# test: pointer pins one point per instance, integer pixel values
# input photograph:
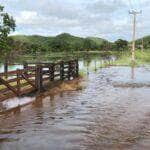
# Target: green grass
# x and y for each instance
(142, 58)
(82, 73)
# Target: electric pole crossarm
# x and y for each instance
(135, 12)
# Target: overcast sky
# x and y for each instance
(108, 19)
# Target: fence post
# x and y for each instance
(62, 70)
(52, 71)
(69, 70)
(18, 82)
(39, 78)
(25, 67)
(6, 69)
(77, 68)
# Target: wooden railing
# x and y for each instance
(34, 76)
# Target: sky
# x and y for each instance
(107, 19)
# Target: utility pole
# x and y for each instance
(134, 13)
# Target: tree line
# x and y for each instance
(64, 43)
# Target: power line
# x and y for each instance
(134, 13)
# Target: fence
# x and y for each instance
(33, 77)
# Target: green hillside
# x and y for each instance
(98, 41)
(32, 39)
(40, 41)
(62, 42)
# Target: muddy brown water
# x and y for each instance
(108, 114)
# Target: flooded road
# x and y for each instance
(112, 112)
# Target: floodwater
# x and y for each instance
(111, 112)
(11, 68)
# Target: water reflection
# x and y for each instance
(17, 110)
(61, 94)
(100, 116)
(132, 72)
(52, 102)
(88, 64)
(95, 65)
(38, 101)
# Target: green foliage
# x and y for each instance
(141, 58)
(146, 42)
(98, 41)
(100, 44)
(61, 43)
(66, 42)
(121, 45)
(88, 44)
(6, 26)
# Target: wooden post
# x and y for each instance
(39, 78)
(77, 68)
(51, 72)
(25, 67)
(6, 68)
(62, 70)
(69, 70)
(18, 82)
(73, 69)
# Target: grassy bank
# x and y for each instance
(142, 58)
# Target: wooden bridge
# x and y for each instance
(33, 77)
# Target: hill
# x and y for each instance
(62, 42)
(98, 41)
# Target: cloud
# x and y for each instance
(26, 17)
(102, 18)
(105, 6)
(32, 18)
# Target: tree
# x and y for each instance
(121, 44)
(60, 44)
(7, 25)
(105, 46)
(89, 44)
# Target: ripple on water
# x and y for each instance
(100, 116)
